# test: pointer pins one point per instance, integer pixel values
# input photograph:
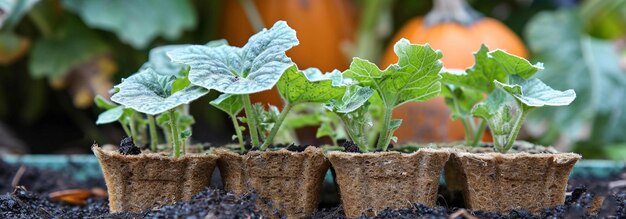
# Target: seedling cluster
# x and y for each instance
(498, 90)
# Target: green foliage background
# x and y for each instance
(582, 44)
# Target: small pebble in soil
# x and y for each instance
(127, 147)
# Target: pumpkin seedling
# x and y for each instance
(116, 113)
(255, 67)
(498, 73)
(415, 77)
(152, 93)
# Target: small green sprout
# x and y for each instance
(152, 93)
(494, 75)
(414, 78)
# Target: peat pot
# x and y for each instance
(147, 180)
(498, 182)
(291, 181)
(387, 179)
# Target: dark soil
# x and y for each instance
(351, 147)
(127, 147)
(31, 201)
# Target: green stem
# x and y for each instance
(133, 129)
(154, 138)
(478, 133)
(467, 129)
(252, 14)
(251, 117)
(385, 136)
(356, 138)
(238, 131)
(125, 127)
(175, 134)
(515, 131)
(366, 45)
(276, 126)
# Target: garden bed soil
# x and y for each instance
(147, 180)
(290, 178)
(529, 177)
(373, 181)
(213, 203)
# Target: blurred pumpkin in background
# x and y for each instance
(456, 29)
(324, 28)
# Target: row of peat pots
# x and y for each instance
(290, 181)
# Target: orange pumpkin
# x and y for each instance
(322, 26)
(458, 31)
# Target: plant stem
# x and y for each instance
(251, 118)
(125, 127)
(366, 45)
(238, 131)
(385, 136)
(467, 129)
(457, 11)
(252, 14)
(276, 126)
(478, 133)
(356, 138)
(133, 129)
(154, 138)
(175, 134)
(515, 130)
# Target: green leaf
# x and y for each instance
(13, 11)
(589, 66)
(159, 62)
(71, 45)
(480, 76)
(395, 124)
(325, 130)
(310, 86)
(111, 115)
(354, 97)
(180, 84)
(488, 108)
(151, 93)
(136, 22)
(253, 68)
(514, 65)
(103, 103)
(185, 134)
(414, 78)
(231, 104)
(534, 93)
(185, 121)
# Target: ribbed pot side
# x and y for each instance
(144, 181)
(500, 182)
(387, 179)
(290, 180)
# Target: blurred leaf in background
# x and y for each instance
(136, 22)
(590, 66)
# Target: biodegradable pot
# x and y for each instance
(147, 180)
(387, 179)
(290, 180)
(500, 182)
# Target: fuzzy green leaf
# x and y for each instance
(103, 103)
(231, 104)
(480, 76)
(534, 93)
(491, 105)
(151, 93)
(514, 65)
(310, 86)
(136, 22)
(253, 68)
(161, 63)
(353, 98)
(111, 115)
(414, 78)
